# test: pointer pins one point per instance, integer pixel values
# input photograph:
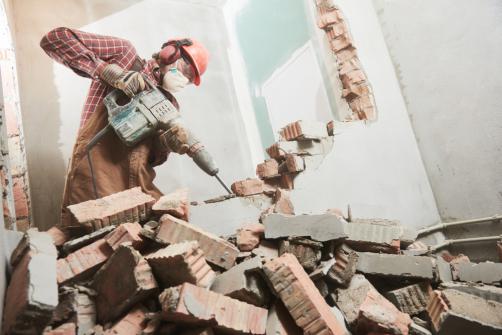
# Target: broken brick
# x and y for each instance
(300, 296)
(132, 323)
(179, 263)
(244, 188)
(279, 149)
(191, 304)
(216, 250)
(294, 163)
(279, 321)
(32, 293)
(83, 263)
(125, 233)
(125, 280)
(367, 311)
(282, 202)
(455, 262)
(454, 312)
(345, 265)
(176, 204)
(328, 18)
(320, 227)
(248, 237)
(307, 252)
(131, 205)
(64, 329)
(82, 241)
(397, 266)
(304, 130)
(411, 299)
(268, 169)
(58, 236)
(243, 282)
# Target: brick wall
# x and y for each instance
(13, 168)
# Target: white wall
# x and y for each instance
(374, 167)
(447, 56)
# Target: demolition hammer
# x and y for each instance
(141, 117)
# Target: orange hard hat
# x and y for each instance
(190, 50)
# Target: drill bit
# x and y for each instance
(223, 184)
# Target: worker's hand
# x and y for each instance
(176, 139)
(131, 82)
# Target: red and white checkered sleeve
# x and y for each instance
(85, 53)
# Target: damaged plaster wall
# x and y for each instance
(52, 96)
(447, 57)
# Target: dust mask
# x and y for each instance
(173, 80)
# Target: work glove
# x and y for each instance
(176, 139)
(130, 82)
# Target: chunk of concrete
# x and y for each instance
(486, 292)
(453, 312)
(486, 272)
(243, 282)
(401, 266)
(320, 227)
(345, 266)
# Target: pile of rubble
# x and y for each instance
(143, 268)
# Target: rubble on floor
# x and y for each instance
(159, 267)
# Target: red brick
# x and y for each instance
(216, 250)
(125, 280)
(131, 324)
(32, 293)
(82, 263)
(295, 163)
(131, 205)
(279, 321)
(282, 202)
(187, 258)
(328, 18)
(192, 304)
(125, 233)
(304, 130)
(343, 41)
(176, 203)
(58, 236)
(367, 311)
(20, 197)
(345, 266)
(247, 187)
(436, 308)
(346, 54)
(64, 329)
(301, 297)
(248, 237)
(268, 169)
(335, 30)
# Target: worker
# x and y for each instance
(112, 62)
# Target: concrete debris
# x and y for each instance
(321, 227)
(32, 294)
(188, 260)
(248, 237)
(400, 266)
(246, 264)
(243, 282)
(176, 203)
(300, 296)
(411, 299)
(366, 310)
(307, 252)
(487, 272)
(454, 312)
(125, 280)
(216, 250)
(131, 205)
(191, 304)
(486, 292)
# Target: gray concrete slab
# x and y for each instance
(387, 265)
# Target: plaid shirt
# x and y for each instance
(87, 54)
